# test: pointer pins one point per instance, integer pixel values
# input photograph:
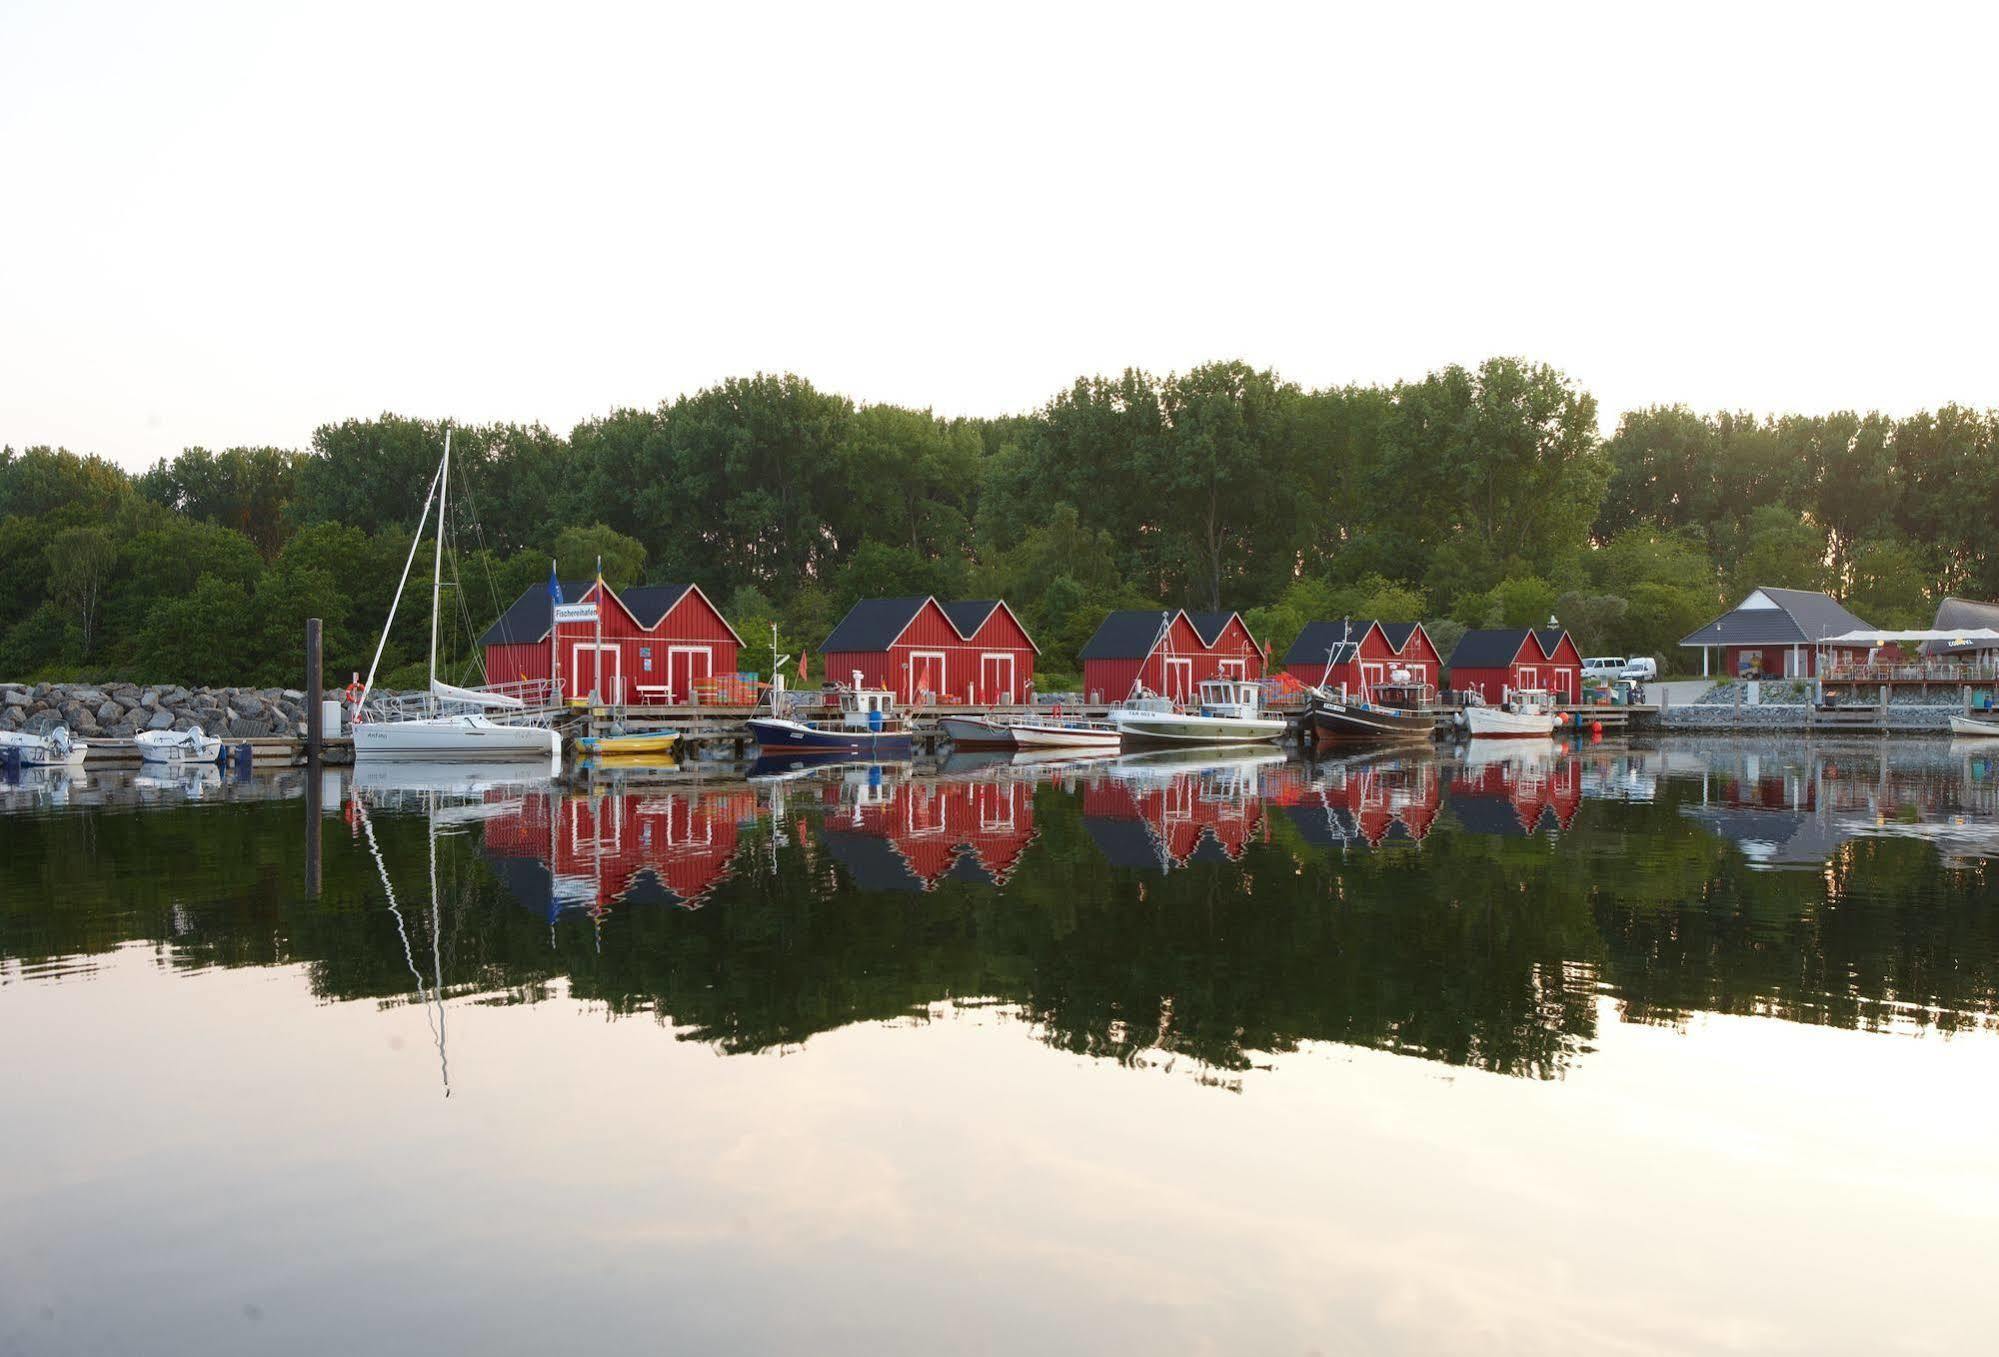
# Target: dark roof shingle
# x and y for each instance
(1128, 634)
(873, 624)
(1488, 648)
(526, 622)
(1209, 625)
(968, 615)
(1961, 614)
(1800, 616)
(1318, 638)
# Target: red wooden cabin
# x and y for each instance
(1168, 652)
(660, 643)
(1372, 652)
(922, 650)
(1497, 661)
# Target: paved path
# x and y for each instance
(1679, 692)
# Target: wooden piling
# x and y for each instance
(315, 737)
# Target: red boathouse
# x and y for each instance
(1363, 654)
(660, 644)
(1494, 662)
(1169, 652)
(924, 651)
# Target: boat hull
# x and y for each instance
(1167, 728)
(1984, 730)
(454, 739)
(1496, 723)
(1053, 735)
(776, 736)
(1352, 723)
(976, 732)
(168, 747)
(40, 751)
(627, 746)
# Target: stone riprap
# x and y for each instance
(110, 711)
(1797, 716)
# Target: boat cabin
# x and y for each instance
(1230, 697)
(866, 708)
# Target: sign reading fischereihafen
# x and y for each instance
(576, 612)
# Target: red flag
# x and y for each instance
(801, 668)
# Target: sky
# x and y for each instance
(226, 225)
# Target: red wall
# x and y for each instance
(1775, 657)
(1111, 679)
(690, 622)
(912, 664)
(1417, 653)
(1560, 674)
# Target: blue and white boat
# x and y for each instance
(868, 725)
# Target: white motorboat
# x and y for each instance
(976, 732)
(178, 746)
(1058, 734)
(1229, 713)
(1526, 714)
(55, 749)
(452, 723)
(1965, 725)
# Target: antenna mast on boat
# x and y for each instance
(401, 584)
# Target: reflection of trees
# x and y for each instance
(1475, 949)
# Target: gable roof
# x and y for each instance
(874, 623)
(1550, 640)
(1491, 647)
(1960, 614)
(1209, 626)
(1318, 638)
(1397, 634)
(968, 615)
(1778, 617)
(527, 621)
(648, 603)
(1127, 634)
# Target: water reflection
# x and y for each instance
(1472, 907)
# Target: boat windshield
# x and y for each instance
(1228, 693)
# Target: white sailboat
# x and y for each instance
(434, 733)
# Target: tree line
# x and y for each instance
(1471, 497)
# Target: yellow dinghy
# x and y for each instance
(624, 746)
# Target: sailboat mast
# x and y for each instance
(437, 568)
(401, 584)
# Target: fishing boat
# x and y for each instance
(1230, 712)
(1526, 714)
(449, 722)
(178, 746)
(977, 732)
(1965, 725)
(1392, 711)
(56, 748)
(868, 725)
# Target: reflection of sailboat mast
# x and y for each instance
(402, 931)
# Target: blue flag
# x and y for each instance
(554, 586)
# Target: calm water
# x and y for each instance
(1687, 1048)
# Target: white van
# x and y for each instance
(1604, 667)
(1640, 667)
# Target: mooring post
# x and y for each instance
(314, 735)
(314, 738)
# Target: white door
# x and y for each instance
(584, 659)
(684, 665)
(996, 677)
(1179, 680)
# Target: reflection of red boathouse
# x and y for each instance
(1373, 802)
(657, 846)
(912, 833)
(1163, 819)
(1517, 794)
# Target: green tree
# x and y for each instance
(577, 551)
(1777, 546)
(1524, 602)
(80, 562)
